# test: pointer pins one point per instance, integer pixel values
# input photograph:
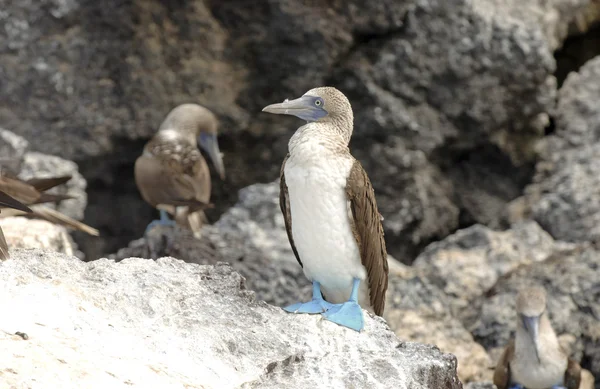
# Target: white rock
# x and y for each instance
(169, 324)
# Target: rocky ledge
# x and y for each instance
(142, 323)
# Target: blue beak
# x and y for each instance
(303, 107)
(209, 143)
(532, 325)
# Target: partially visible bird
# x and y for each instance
(32, 193)
(7, 201)
(534, 359)
(330, 212)
(172, 175)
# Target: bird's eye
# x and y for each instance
(318, 103)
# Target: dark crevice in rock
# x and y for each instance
(485, 181)
(575, 52)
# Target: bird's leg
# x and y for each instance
(348, 314)
(163, 221)
(317, 305)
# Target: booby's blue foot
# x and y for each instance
(348, 314)
(558, 387)
(517, 386)
(317, 305)
(163, 221)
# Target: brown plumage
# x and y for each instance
(32, 193)
(172, 174)
(368, 232)
(535, 337)
(7, 201)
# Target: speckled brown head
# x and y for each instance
(201, 124)
(531, 301)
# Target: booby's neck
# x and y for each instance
(550, 367)
(318, 138)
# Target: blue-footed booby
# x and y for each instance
(534, 359)
(330, 212)
(32, 193)
(7, 201)
(171, 174)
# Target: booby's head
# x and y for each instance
(531, 306)
(324, 105)
(201, 124)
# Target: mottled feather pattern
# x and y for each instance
(369, 234)
(180, 156)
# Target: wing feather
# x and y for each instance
(369, 235)
(284, 204)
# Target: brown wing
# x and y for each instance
(572, 378)
(7, 201)
(19, 190)
(502, 373)
(43, 184)
(369, 234)
(3, 247)
(284, 204)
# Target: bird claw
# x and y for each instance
(348, 314)
(317, 305)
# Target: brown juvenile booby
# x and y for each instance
(534, 359)
(32, 193)
(171, 174)
(7, 201)
(330, 212)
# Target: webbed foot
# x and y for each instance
(348, 314)
(314, 306)
(317, 305)
(163, 221)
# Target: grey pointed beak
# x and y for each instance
(210, 144)
(532, 326)
(303, 107)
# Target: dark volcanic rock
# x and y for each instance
(90, 82)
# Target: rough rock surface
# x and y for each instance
(27, 233)
(418, 311)
(571, 280)
(468, 263)
(563, 197)
(12, 151)
(250, 236)
(141, 323)
(444, 79)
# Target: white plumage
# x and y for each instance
(316, 180)
(528, 372)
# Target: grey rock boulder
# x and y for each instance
(12, 151)
(27, 233)
(468, 263)
(142, 323)
(563, 196)
(419, 311)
